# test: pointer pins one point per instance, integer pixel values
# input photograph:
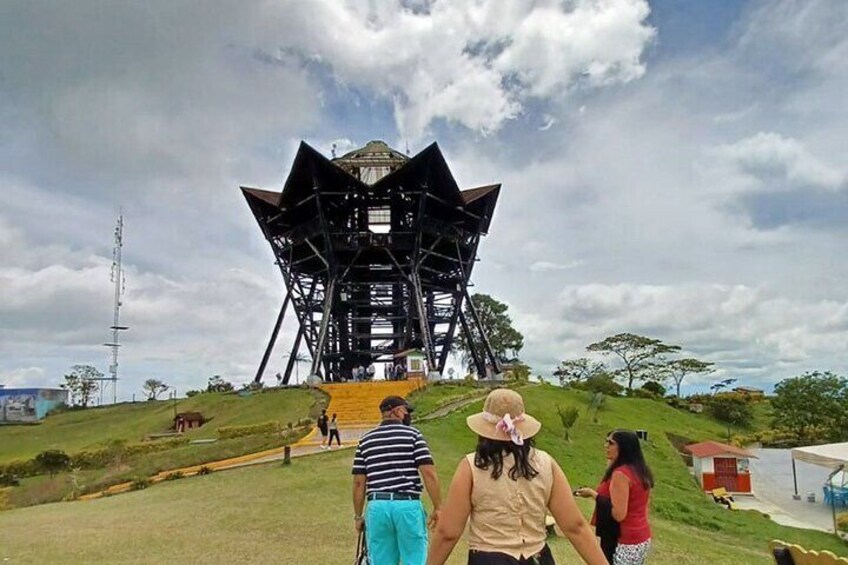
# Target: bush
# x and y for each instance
(731, 408)
(654, 387)
(190, 393)
(602, 383)
(204, 470)
(140, 483)
(568, 416)
(9, 480)
(842, 521)
(53, 461)
(643, 393)
(176, 475)
(229, 432)
(28, 468)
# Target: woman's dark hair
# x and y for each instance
(490, 452)
(630, 453)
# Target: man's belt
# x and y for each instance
(393, 496)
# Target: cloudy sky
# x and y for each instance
(670, 168)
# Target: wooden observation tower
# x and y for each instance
(376, 251)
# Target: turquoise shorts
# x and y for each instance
(396, 532)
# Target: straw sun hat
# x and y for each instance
(503, 418)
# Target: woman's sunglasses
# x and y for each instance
(609, 442)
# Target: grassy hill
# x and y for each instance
(302, 513)
(78, 430)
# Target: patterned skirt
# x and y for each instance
(635, 554)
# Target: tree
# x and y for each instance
(677, 369)
(716, 387)
(82, 383)
(602, 382)
(640, 355)
(654, 388)
(814, 406)
(576, 370)
(153, 388)
(505, 340)
(733, 409)
(568, 416)
(217, 384)
(518, 371)
(52, 461)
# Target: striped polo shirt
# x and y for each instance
(389, 457)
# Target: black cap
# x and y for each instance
(391, 402)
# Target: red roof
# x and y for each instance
(713, 448)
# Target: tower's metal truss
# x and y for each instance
(376, 252)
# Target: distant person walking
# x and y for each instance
(504, 491)
(333, 427)
(390, 465)
(323, 427)
(623, 496)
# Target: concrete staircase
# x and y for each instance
(357, 406)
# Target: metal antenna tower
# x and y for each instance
(118, 278)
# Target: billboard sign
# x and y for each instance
(29, 404)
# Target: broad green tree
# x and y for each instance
(217, 384)
(573, 371)
(82, 383)
(814, 406)
(153, 388)
(678, 369)
(640, 356)
(506, 341)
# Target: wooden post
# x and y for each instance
(287, 455)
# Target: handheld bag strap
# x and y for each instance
(361, 550)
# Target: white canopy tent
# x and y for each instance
(834, 456)
(831, 455)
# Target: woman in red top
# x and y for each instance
(625, 490)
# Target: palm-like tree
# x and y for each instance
(298, 359)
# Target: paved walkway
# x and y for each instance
(773, 490)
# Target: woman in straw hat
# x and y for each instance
(504, 491)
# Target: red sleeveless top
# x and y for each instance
(634, 528)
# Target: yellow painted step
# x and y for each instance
(358, 403)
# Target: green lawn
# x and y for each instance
(302, 513)
(432, 397)
(78, 430)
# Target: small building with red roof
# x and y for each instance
(719, 465)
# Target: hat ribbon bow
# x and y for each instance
(507, 425)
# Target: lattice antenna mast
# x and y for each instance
(119, 280)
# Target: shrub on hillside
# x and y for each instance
(842, 521)
(28, 468)
(643, 393)
(731, 408)
(654, 387)
(603, 383)
(9, 480)
(53, 461)
(204, 470)
(176, 475)
(140, 483)
(568, 417)
(229, 432)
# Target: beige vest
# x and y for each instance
(506, 515)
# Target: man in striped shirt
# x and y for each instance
(390, 465)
